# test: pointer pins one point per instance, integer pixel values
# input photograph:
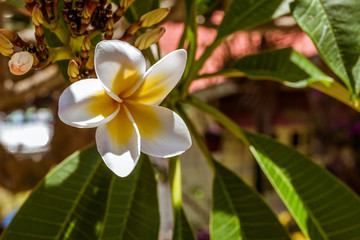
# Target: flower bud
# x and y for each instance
(37, 16)
(73, 71)
(6, 47)
(153, 17)
(20, 63)
(149, 38)
(124, 4)
(86, 44)
(10, 35)
(86, 15)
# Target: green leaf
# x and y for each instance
(182, 228)
(205, 6)
(239, 212)
(283, 65)
(323, 207)
(334, 28)
(138, 8)
(75, 201)
(240, 15)
(132, 207)
(243, 14)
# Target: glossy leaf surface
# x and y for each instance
(244, 14)
(283, 65)
(239, 212)
(334, 28)
(77, 201)
(323, 207)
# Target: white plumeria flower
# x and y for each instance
(123, 104)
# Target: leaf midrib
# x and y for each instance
(72, 210)
(228, 198)
(290, 186)
(340, 55)
(132, 195)
(107, 206)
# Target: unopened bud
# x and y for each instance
(86, 44)
(37, 16)
(73, 70)
(6, 47)
(9, 34)
(124, 4)
(85, 15)
(20, 63)
(149, 38)
(153, 17)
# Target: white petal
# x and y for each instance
(163, 133)
(118, 143)
(85, 104)
(119, 66)
(161, 78)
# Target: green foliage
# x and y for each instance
(239, 212)
(244, 14)
(205, 6)
(182, 228)
(283, 65)
(334, 28)
(323, 207)
(81, 199)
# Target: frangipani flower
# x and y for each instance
(123, 104)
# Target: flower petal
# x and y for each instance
(163, 133)
(118, 143)
(119, 66)
(85, 104)
(161, 78)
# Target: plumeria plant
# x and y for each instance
(142, 111)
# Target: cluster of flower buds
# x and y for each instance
(85, 20)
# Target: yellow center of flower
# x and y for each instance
(125, 82)
(102, 104)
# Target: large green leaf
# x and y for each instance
(239, 212)
(182, 228)
(243, 14)
(334, 28)
(290, 68)
(78, 201)
(132, 206)
(284, 65)
(323, 207)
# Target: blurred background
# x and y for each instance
(33, 140)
